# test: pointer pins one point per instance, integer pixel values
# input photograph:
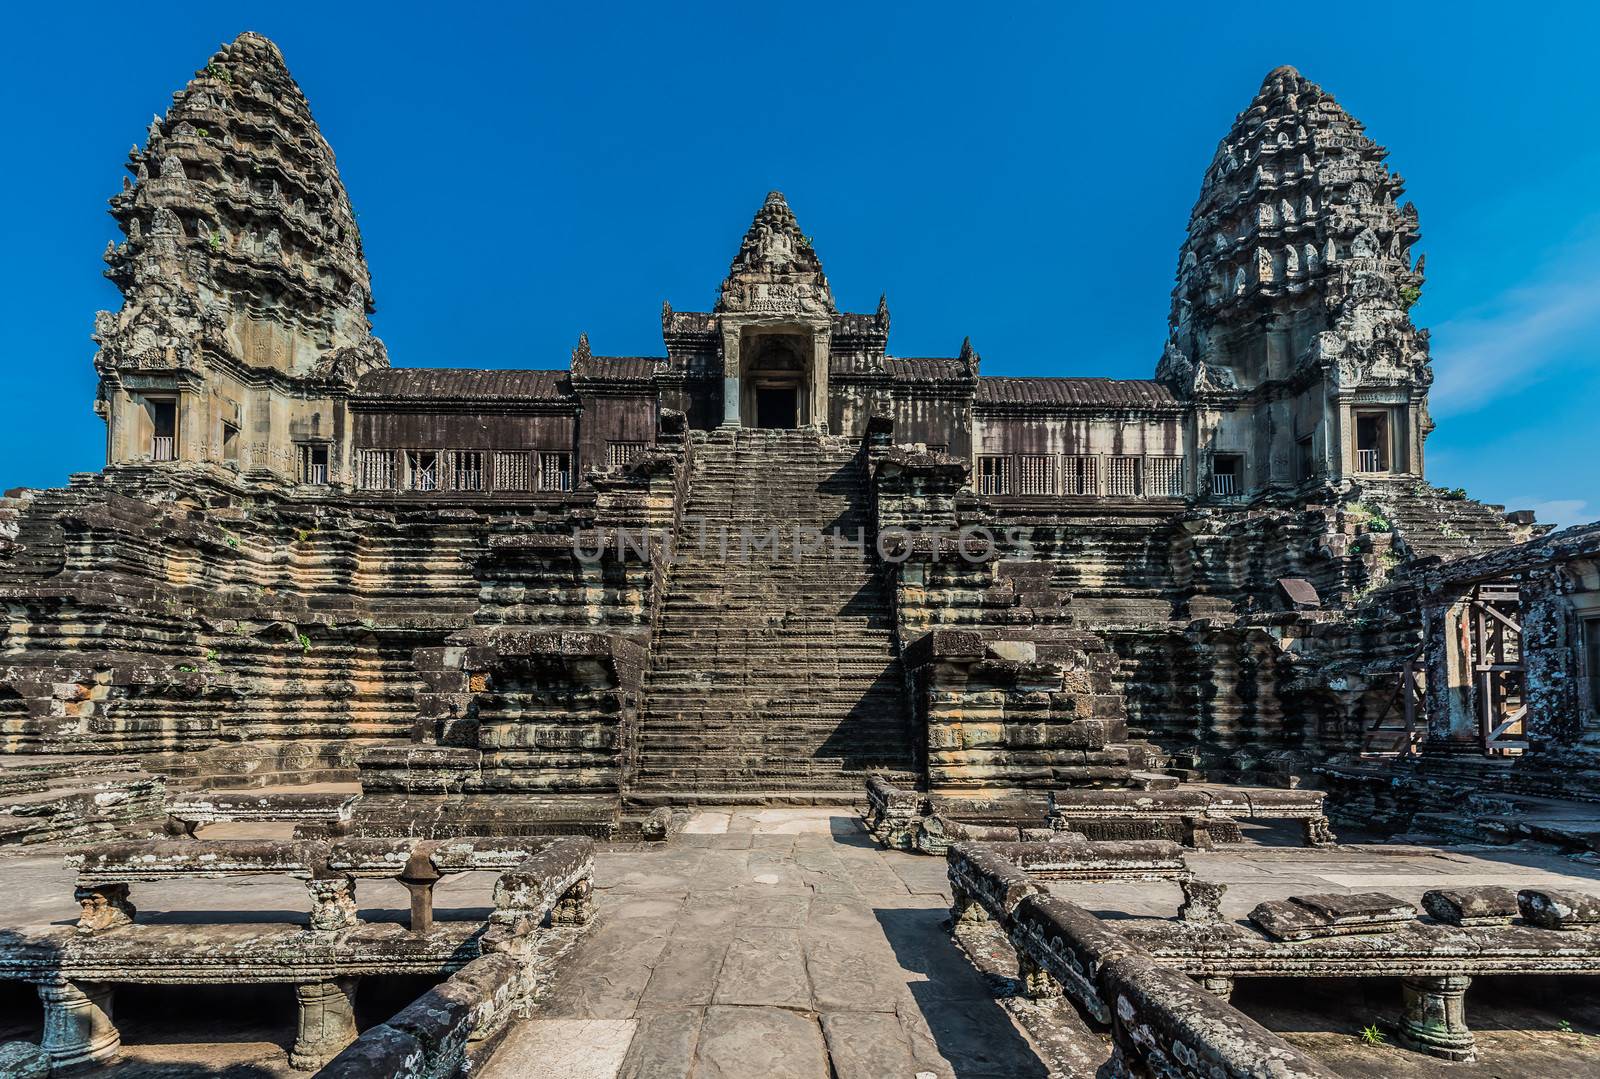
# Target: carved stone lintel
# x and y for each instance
(105, 906)
(78, 1029)
(576, 908)
(1433, 1019)
(333, 903)
(327, 1022)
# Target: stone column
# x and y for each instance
(78, 1029)
(1434, 1016)
(731, 389)
(327, 1022)
(1219, 984)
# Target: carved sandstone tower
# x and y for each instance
(245, 293)
(1289, 324)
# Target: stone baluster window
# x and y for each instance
(555, 471)
(513, 470)
(378, 469)
(620, 453)
(1164, 477)
(1081, 475)
(1037, 473)
(466, 470)
(422, 470)
(994, 475)
(1126, 479)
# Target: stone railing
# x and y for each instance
(1197, 816)
(1162, 1022)
(541, 882)
(441, 1032)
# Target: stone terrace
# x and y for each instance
(782, 942)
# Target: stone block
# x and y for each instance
(1551, 909)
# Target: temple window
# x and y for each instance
(620, 453)
(1372, 442)
(994, 475)
(378, 470)
(512, 470)
(1163, 477)
(555, 471)
(1227, 471)
(1305, 458)
(1126, 479)
(422, 470)
(466, 470)
(1081, 475)
(230, 443)
(313, 462)
(1037, 473)
(164, 429)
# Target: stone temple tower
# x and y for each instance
(245, 293)
(1289, 327)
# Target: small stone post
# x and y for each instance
(77, 1024)
(104, 906)
(576, 908)
(327, 1022)
(419, 876)
(333, 903)
(1434, 1016)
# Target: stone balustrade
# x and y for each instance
(1162, 1023)
(541, 882)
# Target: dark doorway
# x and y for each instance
(777, 406)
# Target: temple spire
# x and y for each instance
(777, 270)
(240, 240)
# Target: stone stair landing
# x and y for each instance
(771, 674)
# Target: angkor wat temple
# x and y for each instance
(778, 565)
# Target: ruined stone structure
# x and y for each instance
(766, 563)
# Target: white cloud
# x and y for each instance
(1561, 512)
(1524, 337)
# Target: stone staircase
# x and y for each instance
(772, 676)
(46, 799)
(1433, 521)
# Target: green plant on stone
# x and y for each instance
(1372, 1035)
(1410, 294)
(216, 240)
(305, 643)
(1564, 1025)
(1453, 494)
(185, 668)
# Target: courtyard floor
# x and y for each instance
(777, 943)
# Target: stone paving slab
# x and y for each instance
(569, 1048)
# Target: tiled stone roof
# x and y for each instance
(1075, 392)
(458, 383)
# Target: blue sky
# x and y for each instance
(1019, 173)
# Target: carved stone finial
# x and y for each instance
(969, 356)
(581, 353)
(776, 270)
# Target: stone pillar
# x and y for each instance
(731, 389)
(327, 1022)
(1433, 1018)
(78, 1030)
(1218, 984)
